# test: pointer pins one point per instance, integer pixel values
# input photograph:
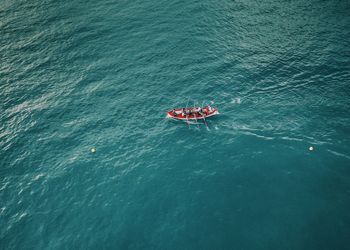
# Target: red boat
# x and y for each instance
(192, 113)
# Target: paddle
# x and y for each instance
(195, 116)
(186, 114)
(204, 121)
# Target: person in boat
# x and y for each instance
(199, 111)
(174, 112)
(187, 112)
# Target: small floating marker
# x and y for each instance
(311, 148)
(93, 150)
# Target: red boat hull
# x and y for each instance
(179, 115)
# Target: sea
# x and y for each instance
(88, 159)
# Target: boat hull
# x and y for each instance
(177, 114)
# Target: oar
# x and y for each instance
(188, 100)
(188, 123)
(195, 116)
(205, 122)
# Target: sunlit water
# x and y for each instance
(76, 75)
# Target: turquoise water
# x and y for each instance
(76, 75)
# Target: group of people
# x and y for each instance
(194, 111)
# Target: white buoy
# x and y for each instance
(93, 150)
(311, 148)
